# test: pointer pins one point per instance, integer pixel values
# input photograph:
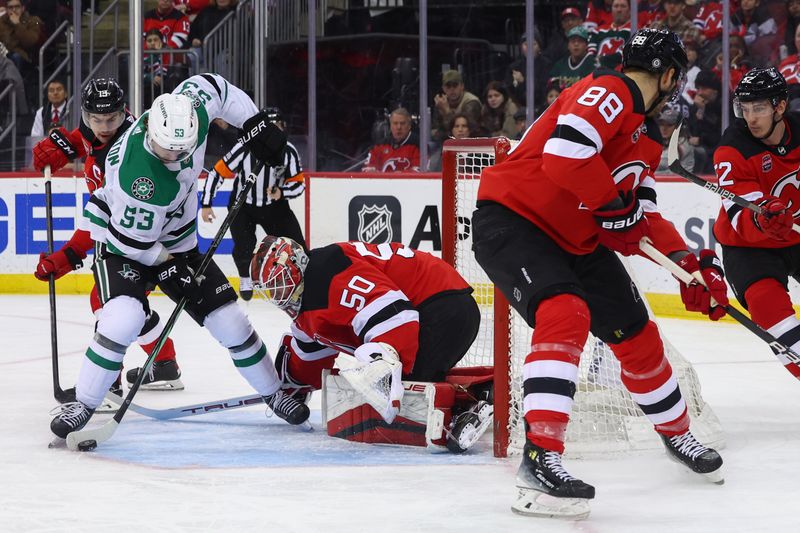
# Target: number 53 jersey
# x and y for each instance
(590, 144)
(355, 293)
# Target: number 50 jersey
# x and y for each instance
(355, 293)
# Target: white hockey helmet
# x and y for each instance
(172, 125)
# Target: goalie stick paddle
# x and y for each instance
(673, 158)
(778, 348)
(58, 392)
(106, 431)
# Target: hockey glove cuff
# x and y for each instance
(176, 278)
(698, 298)
(55, 150)
(622, 224)
(59, 263)
(265, 140)
(775, 220)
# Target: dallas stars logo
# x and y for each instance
(143, 188)
(128, 273)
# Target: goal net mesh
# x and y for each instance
(605, 419)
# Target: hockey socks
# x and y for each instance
(647, 375)
(771, 308)
(550, 372)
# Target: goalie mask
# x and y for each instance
(277, 270)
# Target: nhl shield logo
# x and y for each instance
(375, 224)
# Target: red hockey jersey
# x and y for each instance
(173, 26)
(590, 144)
(357, 293)
(751, 169)
(388, 158)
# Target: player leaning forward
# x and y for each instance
(576, 189)
(144, 220)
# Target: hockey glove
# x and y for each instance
(294, 388)
(265, 140)
(775, 220)
(695, 296)
(55, 150)
(176, 278)
(622, 224)
(59, 263)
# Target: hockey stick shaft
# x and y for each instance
(106, 431)
(58, 392)
(778, 348)
(675, 166)
(172, 413)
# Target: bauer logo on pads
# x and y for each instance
(374, 219)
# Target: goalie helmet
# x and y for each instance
(173, 126)
(102, 96)
(655, 51)
(277, 270)
(760, 84)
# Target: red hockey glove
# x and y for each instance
(55, 150)
(59, 263)
(775, 220)
(622, 224)
(695, 296)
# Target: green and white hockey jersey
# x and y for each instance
(147, 208)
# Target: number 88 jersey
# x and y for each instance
(587, 146)
(356, 293)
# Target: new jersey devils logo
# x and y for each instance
(788, 189)
(397, 164)
(633, 171)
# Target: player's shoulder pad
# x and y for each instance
(612, 78)
(323, 265)
(652, 131)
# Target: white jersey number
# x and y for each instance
(609, 108)
(385, 251)
(352, 299)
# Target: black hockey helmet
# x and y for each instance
(761, 84)
(655, 51)
(102, 96)
(273, 114)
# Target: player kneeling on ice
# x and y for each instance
(144, 220)
(402, 314)
(576, 189)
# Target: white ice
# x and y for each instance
(239, 471)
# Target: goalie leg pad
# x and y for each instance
(376, 373)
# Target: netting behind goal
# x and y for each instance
(604, 417)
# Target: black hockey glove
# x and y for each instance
(265, 140)
(176, 278)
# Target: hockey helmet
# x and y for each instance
(102, 95)
(172, 125)
(760, 84)
(655, 51)
(277, 270)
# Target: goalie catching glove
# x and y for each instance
(265, 140)
(55, 150)
(376, 374)
(695, 296)
(622, 224)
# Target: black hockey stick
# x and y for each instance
(675, 165)
(58, 392)
(778, 348)
(87, 439)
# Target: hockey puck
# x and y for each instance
(87, 445)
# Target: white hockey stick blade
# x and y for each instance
(98, 434)
(531, 502)
(213, 406)
(672, 149)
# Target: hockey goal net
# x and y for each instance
(604, 419)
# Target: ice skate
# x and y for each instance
(69, 417)
(162, 375)
(287, 408)
(107, 406)
(547, 490)
(246, 289)
(468, 427)
(686, 450)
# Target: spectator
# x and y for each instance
(48, 13)
(751, 23)
(578, 63)
(208, 19)
(515, 79)
(709, 20)
(790, 69)
(10, 74)
(21, 34)
(740, 60)
(460, 127)
(51, 114)
(173, 25)
(497, 115)
(191, 8)
(554, 89)
(557, 42)
(520, 122)
(677, 22)
(792, 20)
(651, 12)
(598, 13)
(608, 40)
(668, 120)
(400, 153)
(705, 120)
(451, 100)
(692, 69)
(155, 68)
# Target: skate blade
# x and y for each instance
(167, 385)
(535, 503)
(57, 443)
(471, 434)
(305, 426)
(716, 477)
(107, 408)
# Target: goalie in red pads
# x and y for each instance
(403, 314)
(577, 188)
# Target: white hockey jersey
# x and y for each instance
(147, 208)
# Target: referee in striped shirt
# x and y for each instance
(267, 203)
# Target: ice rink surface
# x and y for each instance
(239, 471)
